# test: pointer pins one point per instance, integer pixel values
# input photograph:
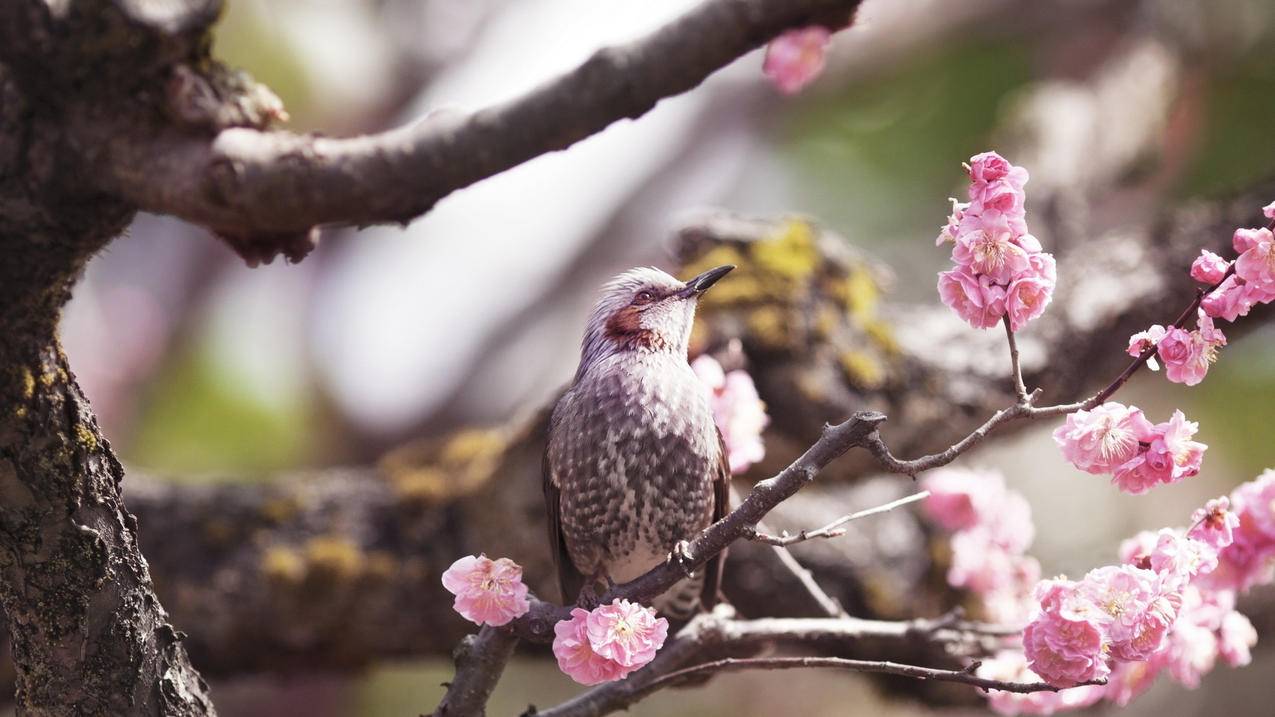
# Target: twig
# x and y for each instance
(1016, 370)
(480, 661)
(272, 185)
(879, 666)
(833, 529)
(826, 602)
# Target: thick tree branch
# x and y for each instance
(480, 661)
(247, 182)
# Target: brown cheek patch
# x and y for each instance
(624, 327)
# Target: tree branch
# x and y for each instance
(275, 184)
(480, 661)
(832, 530)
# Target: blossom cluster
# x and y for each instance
(738, 411)
(1000, 268)
(1119, 440)
(1167, 608)
(1234, 287)
(991, 530)
(609, 642)
(795, 58)
(599, 645)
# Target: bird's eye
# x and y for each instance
(644, 297)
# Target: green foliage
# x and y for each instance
(1234, 146)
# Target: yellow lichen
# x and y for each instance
(381, 564)
(280, 509)
(334, 556)
(28, 383)
(283, 564)
(826, 322)
(860, 294)
(421, 484)
(85, 437)
(863, 369)
(790, 253)
(768, 326)
(435, 469)
(882, 335)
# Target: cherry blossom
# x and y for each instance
(609, 642)
(738, 411)
(576, 656)
(1209, 268)
(795, 58)
(1215, 523)
(1011, 666)
(1101, 440)
(488, 592)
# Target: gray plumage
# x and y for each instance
(634, 463)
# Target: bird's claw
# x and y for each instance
(681, 556)
(589, 597)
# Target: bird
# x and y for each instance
(634, 465)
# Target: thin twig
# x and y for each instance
(1016, 370)
(833, 529)
(879, 666)
(826, 602)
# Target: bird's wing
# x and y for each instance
(570, 580)
(721, 506)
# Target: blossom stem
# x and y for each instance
(831, 530)
(1020, 389)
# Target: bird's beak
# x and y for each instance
(700, 284)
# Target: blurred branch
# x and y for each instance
(265, 188)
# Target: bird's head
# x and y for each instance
(645, 309)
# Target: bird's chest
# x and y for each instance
(636, 456)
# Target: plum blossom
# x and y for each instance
(738, 411)
(1269, 211)
(1214, 524)
(795, 58)
(1188, 354)
(1256, 263)
(1011, 666)
(1101, 440)
(1134, 615)
(1000, 267)
(1209, 268)
(1064, 643)
(1236, 638)
(609, 642)
(1234, 298)
(1166, 456)
(626, 632)
(488, 592)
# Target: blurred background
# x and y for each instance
(215, 372)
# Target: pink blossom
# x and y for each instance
(1128, 680)
(975, 299)
(1256, 264)
(1011, 666)
(1254, 501)
(991, 167)
(993, 254)
(1234, 298)
(1170, 456)
(1143, 340)
(1245, 239)
(1178, 558)
(999, 196)
(1209, 268)
(952, 228)
(1236, 638)
(738, 411)
(1132, 613)
(1187, 355)
(488, 592)
(576, 656)
(1010, 603)
(1269, 210)
(1026, 299)
(961, 498)
(1214, 524)
(1064, 642)
(795, 58)
(1101, 440)
(1137, 550)
(1192, 646)
(626, 633)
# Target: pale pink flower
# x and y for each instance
(1192, 647)
(1245, 239)
(488, 592)
(1236, 638)
(991, 167)
(975, 299)
(626, 633)
(961, 498)
(993, 254)
(1215, 523)
(998, 196)
(1269, 210)
(1131, 611)
(1128, 680)
(1178, 558)
(1064, 642)
(1254, 501)
(1140, 342)
(950, 230)
(1011, 666)
(795, 58)
(1169, 457)
(576, 656)
(1026, 299)
(738, 411)
(1137, 550)
(1256, 265)
(1101, 440)
(1187, 355)
(1234, 298)
(1011, 602)
(1209, 268)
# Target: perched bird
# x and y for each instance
(635, 465)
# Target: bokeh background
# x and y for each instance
(215, 372)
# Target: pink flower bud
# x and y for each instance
(488, 592)
(795, 58)
(1209, 268)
